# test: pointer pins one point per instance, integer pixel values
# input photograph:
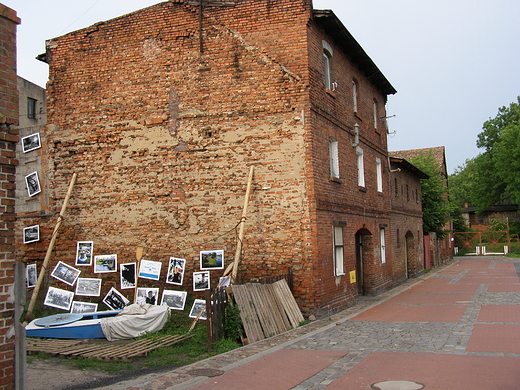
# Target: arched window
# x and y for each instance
(327, 65)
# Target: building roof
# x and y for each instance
(406, 166)
(438, 154)
(353, 49)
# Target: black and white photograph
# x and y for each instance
(105, 263)
(31, 142)
(89, 287)
(175, 300)
(84, 250)
(198, 306)
(31, 275)
(33, 184)
(115, 300)
(201, 281)
(83, 307)
(150, 269)
(212, 260)
(148, 295)
(176, 271)
(31, 234)
(127, 272)
(65, 273)
(59, 298)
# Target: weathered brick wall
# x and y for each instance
(8, 162)
(162, 137)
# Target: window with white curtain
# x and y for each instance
(360, 167)
(379, 175)
(338, 251)
(334, 159)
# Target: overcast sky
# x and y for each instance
(452, 62)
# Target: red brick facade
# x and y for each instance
(162, 128)
(8, 162)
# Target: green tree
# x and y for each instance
(493, 175)
(435, 206)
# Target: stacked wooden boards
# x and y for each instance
(266, 309)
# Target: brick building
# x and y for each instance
(406, 219)
(163, 111)
(8, 162)
(438, 250)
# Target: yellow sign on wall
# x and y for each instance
(352, 276)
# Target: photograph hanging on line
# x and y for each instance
(212, 260)
(89, 287)
(198, 306)
(150, 269)
(115, 300)
(127, 275)
(65, 273)
(84, 250)
(176, 271)
(148, 295)
(33, 184)
(58, 298)
(31, 234)
(175, 300)
(105, 263)
(31, 142)
(31, 275)
(83, 307)
(201, 281)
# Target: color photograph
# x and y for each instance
(212, 260)
(150, 269)
(105, 263)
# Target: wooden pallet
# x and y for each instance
(104, 351)
(266, 309)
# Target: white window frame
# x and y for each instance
(375, 114)
(379, 175)
(327, 65)
(355, 95)
(382, 245)
(360, 167)
(334, 158)
(338, 250)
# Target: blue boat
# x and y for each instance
(70, 325)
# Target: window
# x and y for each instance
(379, 175)
(355, 95)
(396, 188)
(375, 114)
(407, 193)
(327, 65)
(338, 249)
(382, 245)
(360, 167)
(334, 160)
(31, 108)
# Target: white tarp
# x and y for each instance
(135, 320)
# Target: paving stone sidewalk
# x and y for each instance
(434, 315)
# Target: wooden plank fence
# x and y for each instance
(266, 309)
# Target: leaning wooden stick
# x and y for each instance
(50, 248)
(138, 257)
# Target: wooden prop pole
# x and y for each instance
(138, 257)
(238, 251)
(50, 248)
(234, 265)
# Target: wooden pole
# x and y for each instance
(238, 251)
(138, 257)
(50, 248)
